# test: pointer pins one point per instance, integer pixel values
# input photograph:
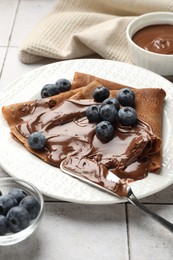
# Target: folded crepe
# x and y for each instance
(69, 107)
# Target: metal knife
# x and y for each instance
(126, 192)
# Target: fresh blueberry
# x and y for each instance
(18, 193)
(109, 113)
(18, 219)
(126, 97)
(49, 90)
(32, 205)
(37, 140)
(112, 101)
(93, 113)
(6, 203)
(63, 85)
(127, 116)
(101, 93)
(0, 192)
(104, 131)
(3, 225)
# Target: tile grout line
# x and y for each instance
(9, 39)
(127, 230)
(158, 203)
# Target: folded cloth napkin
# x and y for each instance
(80, 28)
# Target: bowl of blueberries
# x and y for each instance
(21, 210)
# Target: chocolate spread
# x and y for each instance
(69, 133)
(155, 38)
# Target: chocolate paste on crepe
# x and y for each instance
(131, 154)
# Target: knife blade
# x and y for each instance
(94, 174)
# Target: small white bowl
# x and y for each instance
(159, 63)
(6, 184)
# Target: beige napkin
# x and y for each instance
(80, 28)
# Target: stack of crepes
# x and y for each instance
(148, 104)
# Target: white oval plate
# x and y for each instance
(18, 162)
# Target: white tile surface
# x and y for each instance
(7, 15)
(29, 14)
(147, 239)
(75, 232)
(71, 231)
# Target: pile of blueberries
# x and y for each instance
(17, 210)
(111, 111)
(52, 89)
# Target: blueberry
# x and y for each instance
(93, 113)
(126, 97)
(49, 90)
(101, 93)
(3, 225)
(37, 140)
(6, 203)
(0, 192)
(63, 85)
(19, 194)
(18, 219)
(32, 205)
(127, 116)
(104, 131)
(112, 101)
(109, 113)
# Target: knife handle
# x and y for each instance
(133, 200)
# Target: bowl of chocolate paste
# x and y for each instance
(150, 42)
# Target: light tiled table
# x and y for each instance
(71, 231)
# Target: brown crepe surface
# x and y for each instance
(148, 104)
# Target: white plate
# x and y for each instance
(51, 181)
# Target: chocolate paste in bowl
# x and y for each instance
(155, 38)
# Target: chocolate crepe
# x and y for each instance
(67, 107)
